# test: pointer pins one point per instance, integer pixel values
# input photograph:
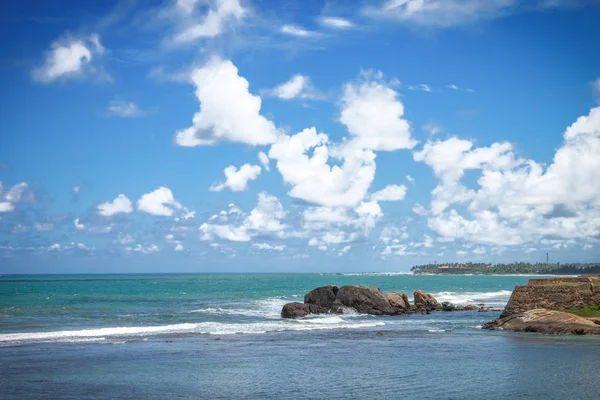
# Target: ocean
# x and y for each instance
(197, 336)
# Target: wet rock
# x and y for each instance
(299, 310)
(323, 296)
(365, 299)
(446, 306)
(547, 322)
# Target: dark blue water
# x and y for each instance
(220, 336)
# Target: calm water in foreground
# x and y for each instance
(220, 336)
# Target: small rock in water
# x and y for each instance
(380, 333)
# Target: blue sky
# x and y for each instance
(256, 135)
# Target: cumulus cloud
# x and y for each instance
(78, 225)
(372, 112)
(390, 193)
(160, 202)
(297, 87)
(21, 192)
(265, 219)
(228, 111)
(120, 205)
(198, 19)
(313, 179)
(336, 23)
(70, 57)
(237, 180)
(267, 246)
(432, 129)
(518, 201)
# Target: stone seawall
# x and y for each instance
(554, 294)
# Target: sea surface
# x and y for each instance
(220, 336)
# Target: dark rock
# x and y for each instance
(471, 307)
(379, 333)
(298, 310)
(405, 298)
(365, 299)
(323, 296)
(446, 306)
(545, 321)
(338, 308)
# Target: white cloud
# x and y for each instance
(336, 22)
(295, 30)
(237, 180)
(410, 178)
(479, 251)
(297, 87)
(54, 247)
(440, 13)
(69, 58)
(151, 249)
(21, 192)
(313, 180)
(265, 219)
(518, 201)
(78, 225)
(264, 160)
(267, 246)
(6, 206)
(125, 109)
(160, 202)
(390, 193)
(121, 204)
(179, 247)
(373, 114)
(76, 189)
(462, 89)
(432, 129)
(419, 209)
(420, 87)
(344, 250)
(228, 111)
(193, 24)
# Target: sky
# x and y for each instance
(297, 135)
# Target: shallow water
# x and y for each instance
(220, 336)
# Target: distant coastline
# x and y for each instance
(516, 269)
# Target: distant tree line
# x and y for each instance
(513, 268)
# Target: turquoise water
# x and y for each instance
(221, 336)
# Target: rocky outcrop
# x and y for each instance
(564, 293)
(545, 321)
(398, 302)
(353, 299)
(446, 306)
(365, 300)
(323, 296)
(298, 310)
(425, 300)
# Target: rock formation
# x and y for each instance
(546, 321)
(351, 299)
(538, 306)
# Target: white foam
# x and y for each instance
(211, 328)
(499, 297)
(376, 273)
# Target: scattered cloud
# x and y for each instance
(460, 89)
(336, 23)
(228, 111)
(71, 57)
(237, 180)
(120, 205)
(264, 161)
(160, 202)
(125, 109)
(298, 31)
(420, 87)
(432, 129)
(196, 19)
(390, 193)
(267, 246)
(297, 87)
